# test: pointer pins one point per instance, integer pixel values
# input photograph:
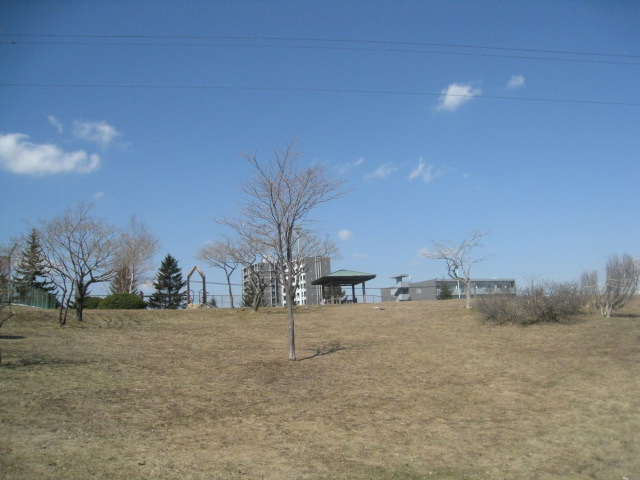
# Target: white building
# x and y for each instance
(305, 293)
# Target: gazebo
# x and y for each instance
(342, 278)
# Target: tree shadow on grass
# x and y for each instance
(11, 337)
(324, 350)
(39, 362)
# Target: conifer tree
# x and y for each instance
(445, 292)
(123, 281)
(168, 286)
(31, 270)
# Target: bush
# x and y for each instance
(537, 303)
(445, 292)
(92, 303)
(124, 301)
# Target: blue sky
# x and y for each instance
(144, 107)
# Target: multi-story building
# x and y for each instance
(430, 289)
(305, 293)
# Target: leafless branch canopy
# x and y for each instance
(276, 213)
(459, 258)
(136, 246)
(623, 277)
(80, 250)
(222, 255)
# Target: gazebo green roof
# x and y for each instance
(344, 277)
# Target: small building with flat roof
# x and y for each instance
(430, 289)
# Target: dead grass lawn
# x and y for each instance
(405, 391)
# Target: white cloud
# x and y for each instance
(455, 95)
(516, 81)
(382, 171)
(345, 234)
(350, 166)
(56, 123)
(426, 172)
(18, 155)
(100, 133)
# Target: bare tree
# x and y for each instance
(136, 246)
(310, 245)
(280, 199)
(589, 290)
(221, 254)
(260, 270)
(80, 251)
(6, 284)
(623, 275)
(458, 258)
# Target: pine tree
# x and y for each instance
(169, 286)
(445, 292)
(31, 271)
(123, 282)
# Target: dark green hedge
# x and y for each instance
(124, 301)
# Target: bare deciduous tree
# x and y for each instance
(310, 245)
(280, 199)
(136, 246)
(222, 255)
(589, 290)
(623, 275)
(458, 258)
(261, 270)
(6, 284)
(80, 251)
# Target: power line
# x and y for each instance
(328, 40)
(335, 48)
(315, 90)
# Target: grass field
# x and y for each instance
(386, 391)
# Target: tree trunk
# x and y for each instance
(467, 287)
(230, 293)
(292, 325)
(80, 296)
(292, 332)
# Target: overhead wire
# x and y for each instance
(347, 48)
(328, 40)
(313, 90)
(171, 43)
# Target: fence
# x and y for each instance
(32, 297)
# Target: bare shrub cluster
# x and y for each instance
(539, 302)
(623, 277)
(552, 302)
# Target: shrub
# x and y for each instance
(124, 301)
(536, 303)
(623, 278)
(445, 292)
(92, 303)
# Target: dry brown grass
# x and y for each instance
(404, 391)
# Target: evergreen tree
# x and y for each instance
(445, 292)
(123, 281)
(169, 286)
(31, 271)
(333, 292)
